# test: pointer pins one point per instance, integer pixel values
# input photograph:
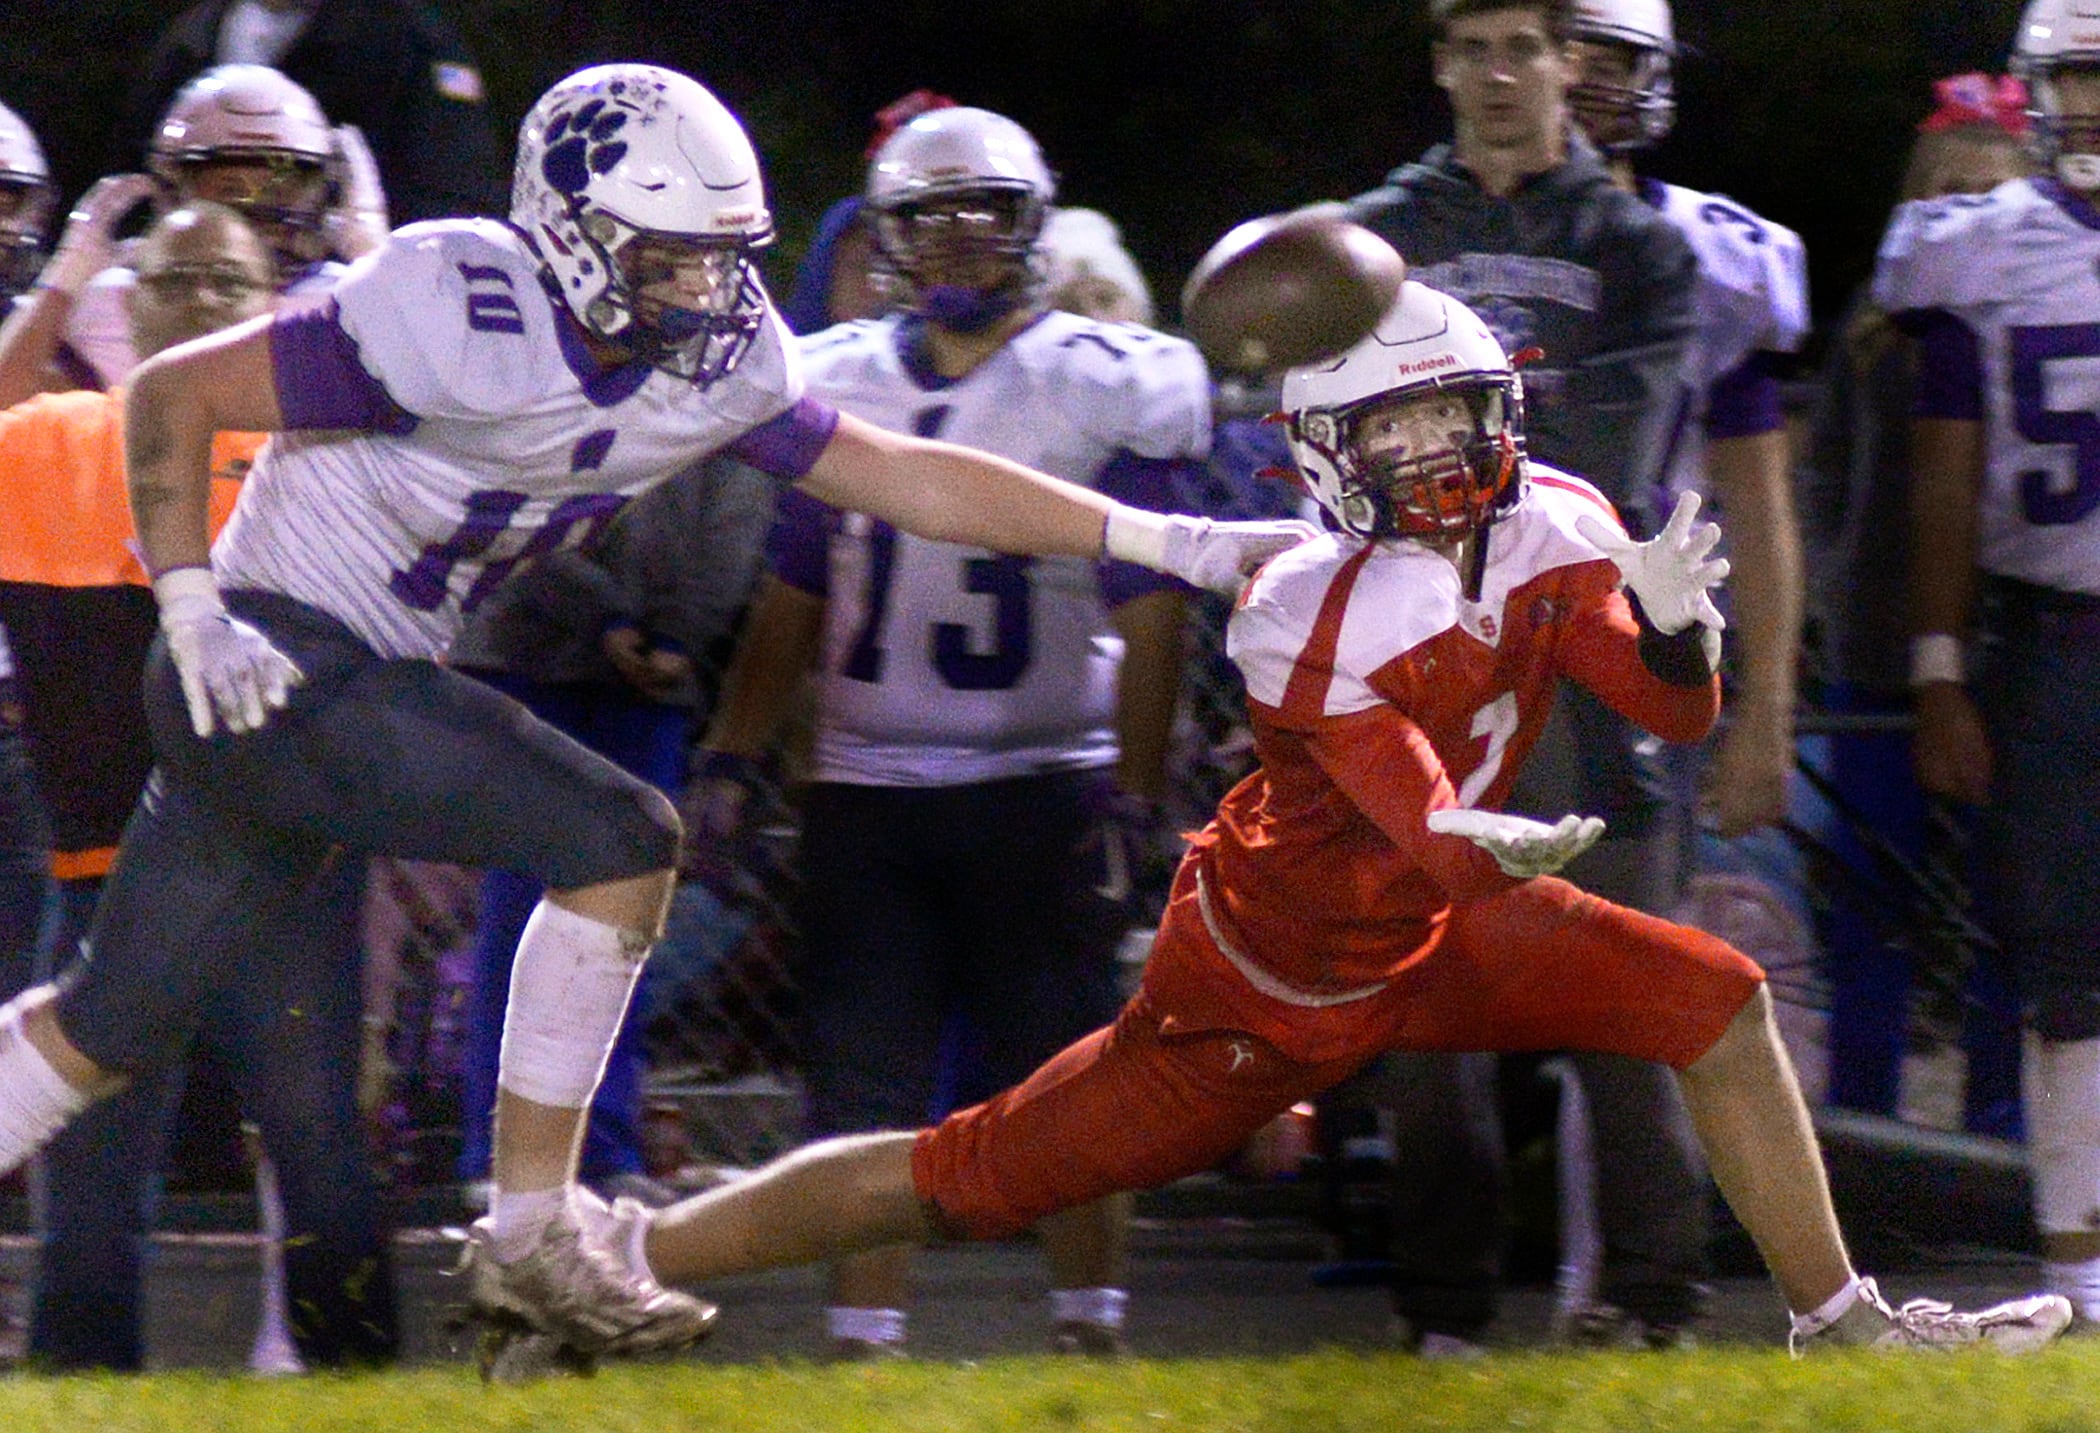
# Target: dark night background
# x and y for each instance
(1178, 117)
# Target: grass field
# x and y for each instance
(2056, 1392)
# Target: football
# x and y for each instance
(1288, 290)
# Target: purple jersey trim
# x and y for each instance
(798, 547)
(1744, 401)
(2074, 204)
(321, 383)
(789, 444)
(1156, 484)
(1950, 366)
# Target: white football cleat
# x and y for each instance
(2016, 1326)
(575, 1289)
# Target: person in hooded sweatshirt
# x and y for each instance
(1592, 294)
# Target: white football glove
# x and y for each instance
(1521, 847)
(1220, 556)
(357, 224)
(1671, 573)
(87, 246)
(229, 670)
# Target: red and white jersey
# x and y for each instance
(1380, 693)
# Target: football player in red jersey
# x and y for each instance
(1359, 892)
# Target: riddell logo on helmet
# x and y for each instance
(1428, 365)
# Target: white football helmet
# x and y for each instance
(251, 115)
(2056, 35)
(26, 197)
(1428, 344)
(620, 155)
(1637, 113)
(956, 182)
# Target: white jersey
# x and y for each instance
(98, 331)
(1752, 298)
(482, 435)
(945, 664)
(2020, 267)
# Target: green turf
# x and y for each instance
(2055, 1392)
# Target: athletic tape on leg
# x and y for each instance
(35, 1100)
(569, 988)
(2060, 1087)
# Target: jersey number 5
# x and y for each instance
(2043, 498)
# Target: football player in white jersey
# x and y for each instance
(2003, 291)
(1359, 891)
(240, 135)
(1730, 439)
(470, 394)
(979, 719)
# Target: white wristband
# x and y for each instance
(188, 592)
(1935, 657)
(1135, 535)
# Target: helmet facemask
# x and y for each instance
(1622, 97)
(1436, 462)
(283, 194)
(965, 257)
(688, 305)
(2067, 140)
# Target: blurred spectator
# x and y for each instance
(287, 1031)
(1090, 273)
(396, 69)
(618, 644)
(241, 135)
(1854, 486)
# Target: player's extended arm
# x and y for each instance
(954, 494)
(176, 402)
(1951, 749)
(1753, 483)
(1671, 628)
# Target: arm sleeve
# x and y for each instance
(798, 548)
(1950, 365)
(1600, 647)
(1745, 400)
(1384, 763)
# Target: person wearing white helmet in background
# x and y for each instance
(1634, 1198)
(2002, 291)
(988, 767)
(240, 135)
(469, 395)
(1359, 892)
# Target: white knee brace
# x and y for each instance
(2060, 1089)
(569, 988)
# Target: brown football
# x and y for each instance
(1289, 290)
